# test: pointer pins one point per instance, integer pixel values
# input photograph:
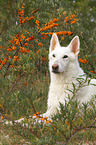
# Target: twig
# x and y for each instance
(35, 11)
(78, 129)
(10, 62)
(20, 125)
(32, 105)
(16, 81)
(87, 47)
(83, 40)
(12, 58)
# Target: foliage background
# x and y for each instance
(24, 74)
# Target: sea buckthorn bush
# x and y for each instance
(26, 30)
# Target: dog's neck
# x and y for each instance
(67, 75)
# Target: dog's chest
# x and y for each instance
(59, 90)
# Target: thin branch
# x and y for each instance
(10, 61)
(32, 105)
(79, 129)
(83, 40)
(16, 81)
(20, 125)
(12, 58)
(35, 11)
(87, 47)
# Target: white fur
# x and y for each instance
(66, 74)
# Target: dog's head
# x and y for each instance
(59, 57)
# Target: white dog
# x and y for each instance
(64, 69)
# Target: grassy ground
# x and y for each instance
(12, 136)
(36, 91)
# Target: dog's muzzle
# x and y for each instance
(55, 68)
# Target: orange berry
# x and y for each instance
(46, 118)
(2, 117)
(42, 119)
(37, 113)
(54, 128)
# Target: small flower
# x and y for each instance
(0, 60)
(23, 21)
(23, 6)
(5, 60)
(9, 49)
(11, 41)
(55, 20)
(64, 13)
(22, 49)
(62, 38)
(37, 51)
(28, 50)
(18, 35)
(25, 44)
(50, 121)
(40, 44)
(94, 72)
(49, 26)
(31, 18)
(26, 32)
(30, 58)
(35, 11)
(26, 83)
(16, 58)
(66, 18)
(83, 61)
(2, 117)
(47, 121)
(37, 113)
(14, 47)
(54, 128)
(1, 106)
(74, 21)
(12, 66)
(43, 58)
(17, 42)
(70, 33)
(46, 118)
(34, 115)
(37, 23)
(65, 122)
(42, 119)
(30, 38)
(39, 118)
(44, 37)
(73, 15)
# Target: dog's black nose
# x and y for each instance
(55, 67)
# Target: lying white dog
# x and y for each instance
(64, 69)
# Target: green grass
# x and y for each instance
(36, 92)
(31, 89)
(11, 135)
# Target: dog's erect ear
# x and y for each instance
(74, 45)
(54, 42)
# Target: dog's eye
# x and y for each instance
(65, 56)
(53, 55)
